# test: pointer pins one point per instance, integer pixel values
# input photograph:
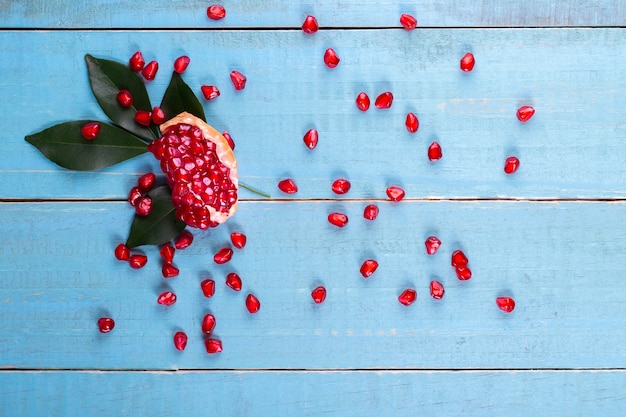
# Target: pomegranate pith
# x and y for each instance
(252, 304)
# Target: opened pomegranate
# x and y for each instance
(201, 170)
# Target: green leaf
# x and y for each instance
(107, 78)
(160, 226)
(179, 98)
(64, 145)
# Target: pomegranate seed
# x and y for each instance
(167, 298)
(341, 186)
(524, 113)
(238, 239)
(208, 323)
(506, 304)
(158, 115)
(310, 25)
(368, 268)
(511, 164)
(233, 281)
(150, 70)
(137, 261)
(180, 340)
(407, 297)
(412, 123)
(384, 100)
(252, 304)
(90, 130)
(310, 138)
(288, 186)
(223, 255)
(144, 206)
(181, 64)
(122, 253)
(105, 324)
(370, 212)
(143, 117)
(208, 287)
(210, 92)
(169, 271)
(238, 79)
(213, 346)
(408, 21)
(146, 181)
(363, 101)
(134, 195)
(167, 253)
(395, 194)
(463, 273)
(216, 12)
(319, 294)
(330, 58)
(136, 62)
(432, 244)
(434, 152)
(229, 139)
(183, 240)
(458, 259)
(436, 290)
(338, 219)
(124, 98)
(467, 62)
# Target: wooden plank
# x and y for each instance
(562, 262)
(160, 14)
(572, 148)
(246, 393)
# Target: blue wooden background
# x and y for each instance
(552, 235)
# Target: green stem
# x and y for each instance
(254, 190)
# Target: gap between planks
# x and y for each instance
(317, 370)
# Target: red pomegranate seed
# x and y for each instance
(330, 58)
(238, 239)
(341, 186)
(169, 271)
(158, 115)
(238, 79)
(213, 346)
(146, 181)
(310, 138)
(463, 273)
(210, 92)
(216, 12)
(90, 130)
(408, 21)
(511, 164)
(436, 290)
(124, 98)
(167, 298)
(181, 64)
(384, 100)
(136, 62)
(412, 123)
(233, 281)
(370, 212)
(506, 304)
(252, 304)
(338, 219)
(208, 287)
(363, 101)
(229, 139)
(434, 152)
(105, 324)
(368, 268)
(183, 240)
(288, 186)
(134, 195)
(167, 253)
(223, 255)
(458, 259)
(150, 70)
(524, 113)
(407, 297)
(144, 206)
(310, 25)
(137, 261)
(395, 194)
(208, 323)
(432, 244)
(122, 253)
(319, 294)
(143, 117)
(180, 340)
(467, 62)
